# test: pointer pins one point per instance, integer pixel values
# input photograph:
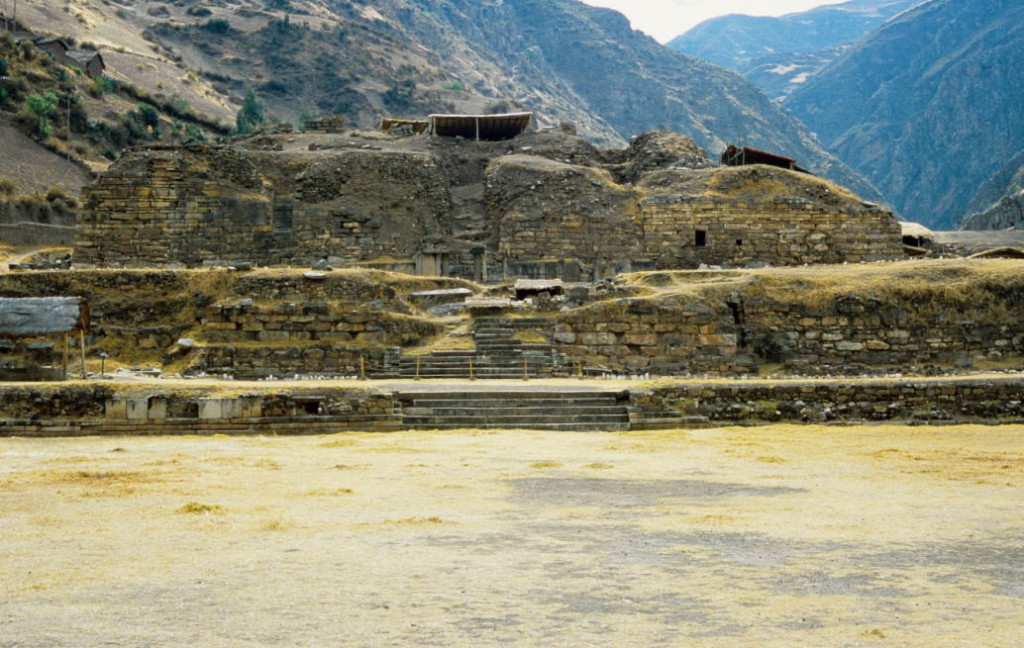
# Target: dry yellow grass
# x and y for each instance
(762, 537)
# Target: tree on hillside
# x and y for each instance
(251, 115)
(39, 108)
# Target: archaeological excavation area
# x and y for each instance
(273, 350)
(348, 389)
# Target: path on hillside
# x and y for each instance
(5, 264)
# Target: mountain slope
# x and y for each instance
(373, 58)
(999, 202)
(738, 41)
(929, 106)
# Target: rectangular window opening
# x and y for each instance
(701, 238)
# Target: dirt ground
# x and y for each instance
(739, 537)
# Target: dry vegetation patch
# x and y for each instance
(756, 537)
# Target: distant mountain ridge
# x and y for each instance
(780, 53)
(929, 106)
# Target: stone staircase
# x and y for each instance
(563, 410)
(497, 354)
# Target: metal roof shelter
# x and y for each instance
(742, 156)
(481, 127)
(22, 317)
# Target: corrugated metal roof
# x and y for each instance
(32, 316)
(742, 156)
(481, 127)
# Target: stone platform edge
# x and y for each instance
(106, 408)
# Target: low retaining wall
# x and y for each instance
(77, 409)
(70, 409)
(925, 400)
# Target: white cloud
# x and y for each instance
(666, 19)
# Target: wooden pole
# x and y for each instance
(417, 368)
(471, 369)
(81, 340)
(362, 367)
(526, 370)
(64, 366)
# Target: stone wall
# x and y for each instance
(542, 209)
(447, 208)
(946, 400)
(97, 408)
(104, 408)
(308, 360)
(249, 340)
(247, 323)
(932, 319)
(663, 336)
(685, 232)
(32, 221)
(184, 207)
(886, 330)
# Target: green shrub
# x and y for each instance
(55, 192)
(39, 108)
(7, 187)
(217, 26)
(251, 115)
(104, 85)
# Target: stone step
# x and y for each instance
(514, 420)
(503, 399)
(503, 425)
(491, 375)
(511, 321)
(510, 375)
(609, 412)
(485, 360)
(572, 410)
(519, 394)
(668, 422)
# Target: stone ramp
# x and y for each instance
(548, 410)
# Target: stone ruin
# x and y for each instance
(542, 205)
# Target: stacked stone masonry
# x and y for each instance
(682, 232)
(230, 205)
(190, 207)
(728, 332)
(78, 409)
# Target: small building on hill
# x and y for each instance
(744, 155)
(57, 47)
(89, 62)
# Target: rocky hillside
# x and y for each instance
(929, 106)
(407, 58)
(58, 125)
(999, 203)
(779, 54)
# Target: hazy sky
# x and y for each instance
(666, 19)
